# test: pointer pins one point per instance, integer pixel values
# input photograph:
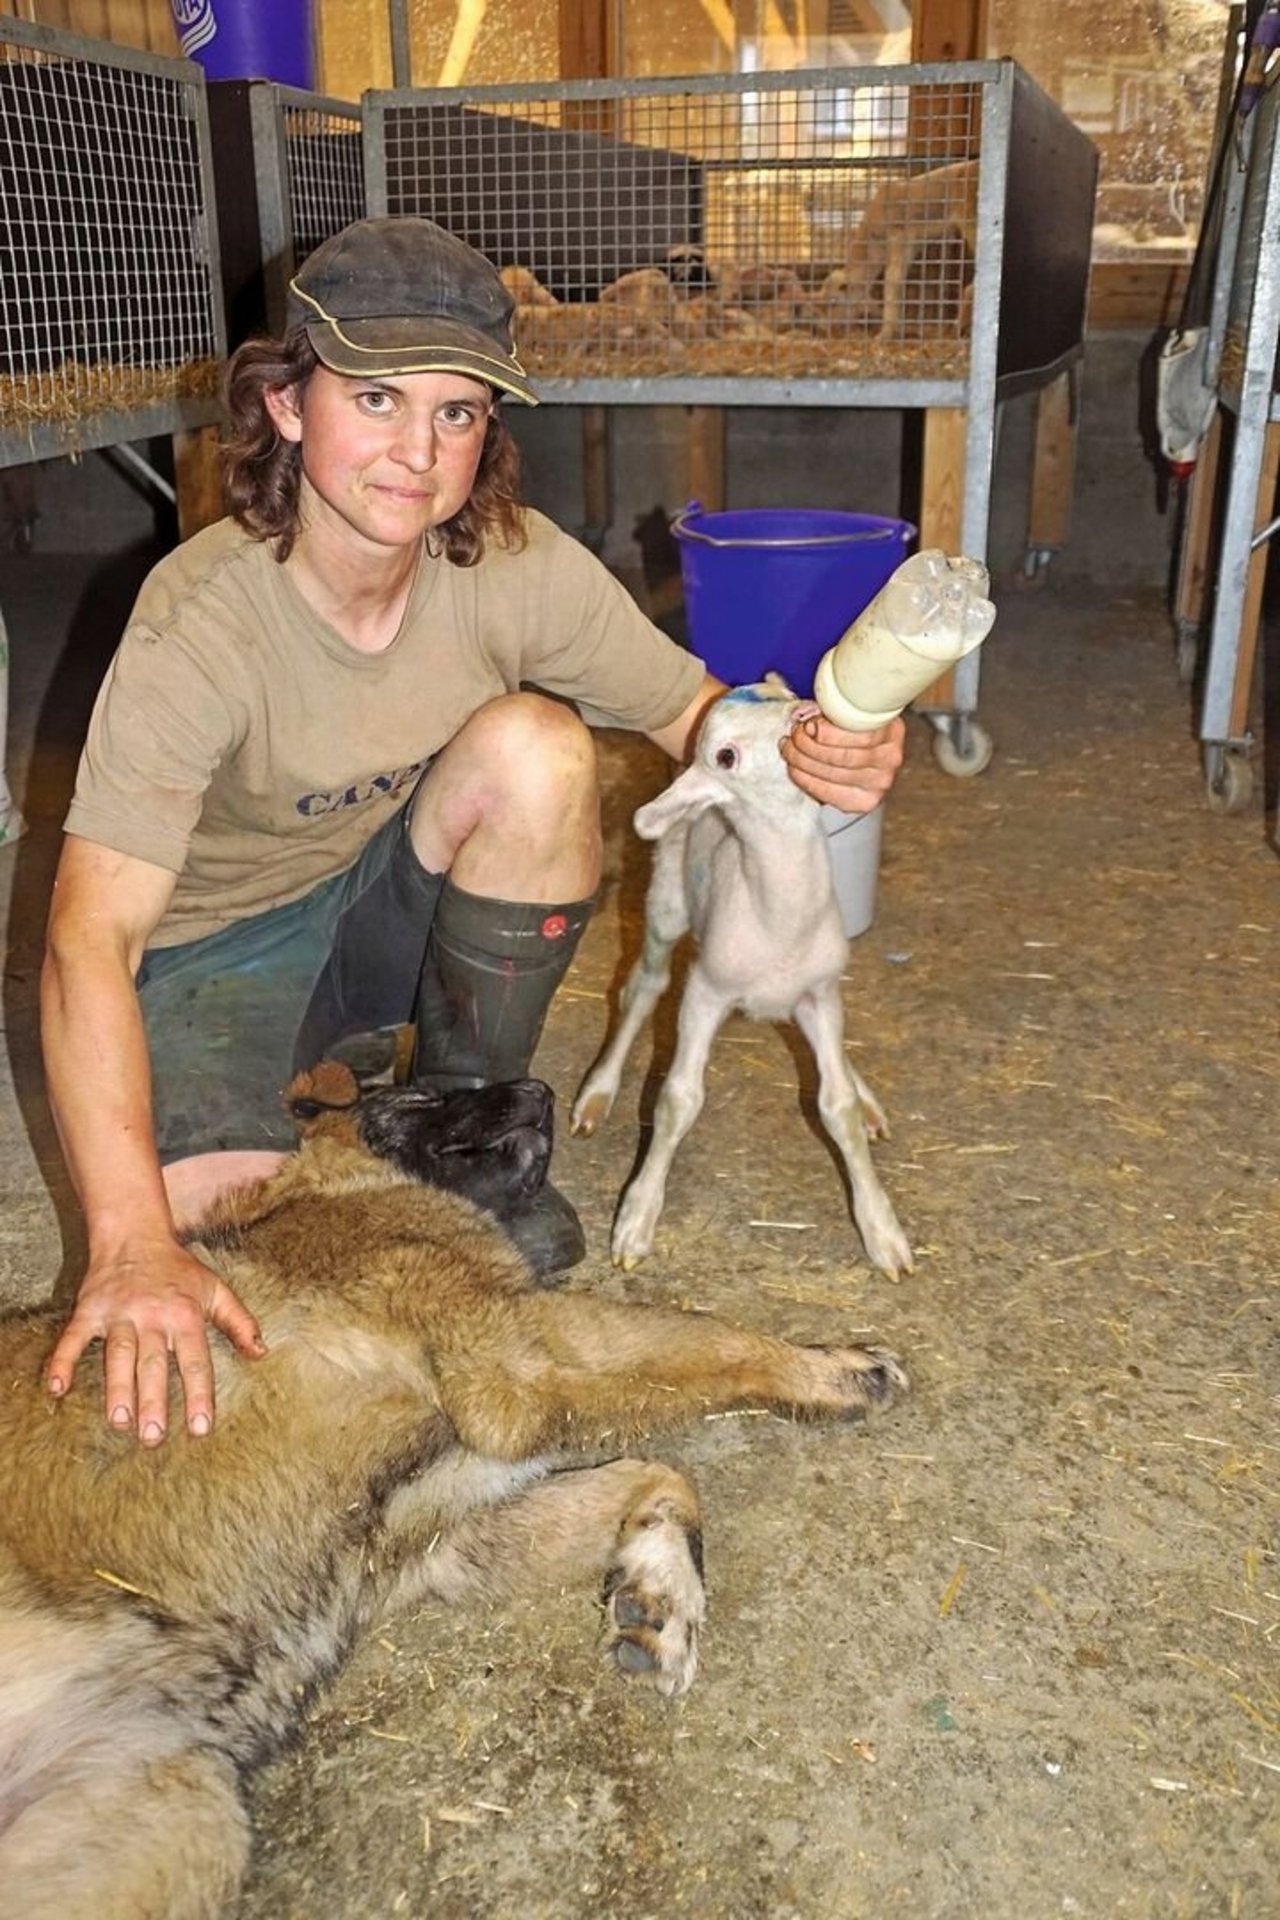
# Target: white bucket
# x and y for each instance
(853, 841)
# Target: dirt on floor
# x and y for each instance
(1013, 1650)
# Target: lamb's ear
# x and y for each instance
(696, 789)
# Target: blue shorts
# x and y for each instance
(231, 1018)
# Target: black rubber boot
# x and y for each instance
(490, 972)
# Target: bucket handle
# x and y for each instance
(682, 531)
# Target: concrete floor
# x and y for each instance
(1012, 1652)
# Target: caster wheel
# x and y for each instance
(965, 757)
(1231, 790)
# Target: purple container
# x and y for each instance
(248, 39)
(770, 589)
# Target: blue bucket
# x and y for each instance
(770, 589)
(248, 39)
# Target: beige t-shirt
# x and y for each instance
(241, 743)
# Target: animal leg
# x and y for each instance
(702, 1013)
(874, 1117)
(579, 1373)
(633, 1524)
(164, 1841)
(646, 984)
(820, 1018)
(895, 279)
(666, 918)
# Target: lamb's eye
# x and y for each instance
(726, 756)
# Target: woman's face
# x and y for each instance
(384, 460)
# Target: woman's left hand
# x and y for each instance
(851, 771)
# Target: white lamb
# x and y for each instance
(742, 860)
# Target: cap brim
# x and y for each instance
(380, 349)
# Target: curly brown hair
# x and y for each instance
(262, 473)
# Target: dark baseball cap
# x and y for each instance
(403, 296)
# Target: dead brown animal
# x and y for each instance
(166, 1616)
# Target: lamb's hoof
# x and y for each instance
(889, 1250)
(633, 1230)
(590, 1110)
(896, 1264)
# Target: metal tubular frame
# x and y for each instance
(265, 239)
(1250, 297)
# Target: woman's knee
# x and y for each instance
(522, 756)
(533, 743)
(511, 807)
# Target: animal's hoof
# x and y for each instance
(633, 1228)
(888, 1250)
(898, 1263)
(590, 1110)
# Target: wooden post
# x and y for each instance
(586, 49)
(941, 512)
(949, 30)
(587, 53)
(706, 444)
(943, 30)
(1193, 561)
(1251, 612)
(1053, 465)
(597, 469)
(197, 472)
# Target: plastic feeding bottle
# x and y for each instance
(931, 612)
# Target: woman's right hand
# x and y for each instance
(149, 1304)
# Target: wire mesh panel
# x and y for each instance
(110, 318)
(289, 174)
(801, 224)
(821, 228)
(898, 236)
(324, 169)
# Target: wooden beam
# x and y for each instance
(941, 514)
(1053, 466)
(944, 30)
(1137, 294)
(706, 446)
(197, 472)
(949, 30)
(597, 468)
(586, 53)
(467, 22)
(1192, 589)
(584, 39)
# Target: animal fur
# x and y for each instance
(903, 218)
(742, 862)
(167, 1615)
(525, 288)
(493, 1148)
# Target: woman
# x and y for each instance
(319, 796)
